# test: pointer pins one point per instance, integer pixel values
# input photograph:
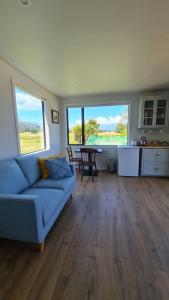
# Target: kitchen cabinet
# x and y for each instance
(154, 111)
(155, 162)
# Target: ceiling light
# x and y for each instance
(25, 2)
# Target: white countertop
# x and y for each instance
(146, 147)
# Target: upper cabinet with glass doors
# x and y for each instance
(154, 111)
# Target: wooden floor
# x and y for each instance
(110, 243)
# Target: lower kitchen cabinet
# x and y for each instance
(155, 162)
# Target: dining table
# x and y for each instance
(99, 150)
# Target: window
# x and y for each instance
(99, 125)
(74, 122)
(30, 116)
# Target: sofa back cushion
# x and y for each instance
(30, 168)
(12, 179)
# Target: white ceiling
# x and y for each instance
(77, 47)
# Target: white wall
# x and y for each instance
(134, 131)
(8, 137)
(57, 134)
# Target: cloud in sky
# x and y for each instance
(27, 102)
(109, 120)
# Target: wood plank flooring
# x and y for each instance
(110, 243)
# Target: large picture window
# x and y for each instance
(98, 125)
(30, 117)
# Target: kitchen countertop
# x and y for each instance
(144, 147)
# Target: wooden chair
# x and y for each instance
(88, 167)
(72, 159)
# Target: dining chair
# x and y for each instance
(88, 167)
(73, 159)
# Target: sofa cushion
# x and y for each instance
(12, 179)
(58, 168)
(50, 200)
(42, 164)
(64, 184)
(30, 167)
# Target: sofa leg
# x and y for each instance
(42, 247)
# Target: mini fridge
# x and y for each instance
(128, 160)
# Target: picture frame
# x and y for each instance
(55, 116)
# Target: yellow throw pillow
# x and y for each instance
(43, 167)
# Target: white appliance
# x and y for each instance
(128, 160)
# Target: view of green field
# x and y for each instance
(30, 142)
(101, 139)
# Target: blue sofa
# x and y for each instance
(29, 205)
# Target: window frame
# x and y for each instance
(83, 122)
(67, 121)
(26, 90)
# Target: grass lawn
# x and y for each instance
(107, 140)
(30, 142)
(103, 138)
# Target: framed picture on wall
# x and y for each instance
(55, 116)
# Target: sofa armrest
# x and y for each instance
(20, 217)
(73, 169)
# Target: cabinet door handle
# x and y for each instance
(157, 155)
(156, 171)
